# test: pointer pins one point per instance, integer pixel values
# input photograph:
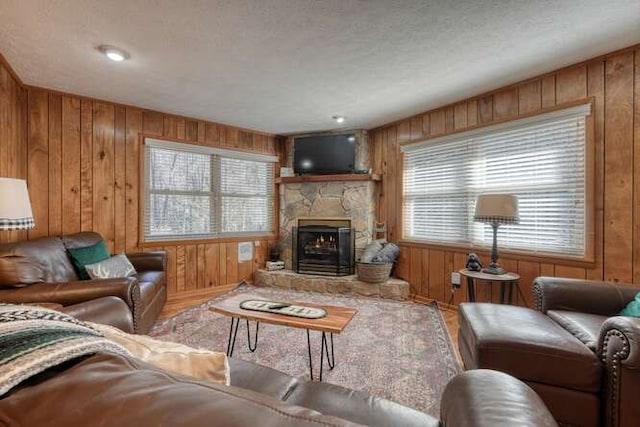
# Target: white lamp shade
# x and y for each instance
(15, 209)
(497, 208)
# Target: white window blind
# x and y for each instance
(539, 159)
(198, 192)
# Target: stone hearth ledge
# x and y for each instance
(393, 288)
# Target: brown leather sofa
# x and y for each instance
(572, 349)
(110, 390)
(40, 270)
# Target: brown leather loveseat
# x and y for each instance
(40, 270)
(110, 390)
(572, 349)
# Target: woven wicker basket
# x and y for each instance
(374, 272)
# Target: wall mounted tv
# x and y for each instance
(324, 154)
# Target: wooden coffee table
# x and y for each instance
(334, 322)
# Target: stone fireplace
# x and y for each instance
(329, 202)
(329, 197)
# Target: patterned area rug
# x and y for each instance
(397, 350)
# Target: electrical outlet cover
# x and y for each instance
(455, 279)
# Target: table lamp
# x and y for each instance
(15, 209)
(496, 209)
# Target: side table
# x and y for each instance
(507, 281)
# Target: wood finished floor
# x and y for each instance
(450, 317)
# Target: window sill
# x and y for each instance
(485, 252)
(207, 240)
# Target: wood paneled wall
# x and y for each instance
(13, 125)
(614, 83)
(81, 158)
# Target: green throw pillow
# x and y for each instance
(633, 308)
(88, 255)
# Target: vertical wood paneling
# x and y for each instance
(222, 264)
(46, 130)
(614, 85)
(212, 262)
(172, 270)
(119, 184)
(472, 112)
(180, 269)
(132, 173)
(415, 270)
(191, 267)
(460, 116)
(505, 104)
(152, 123)
(529, 99)
(401, 269)
(636, 174)
(485, 109)
(86, 165)
(201, 266)
(191, 130)
(404, 131)
(449, 120)
(618, 191)
(82, 161)
(71, 160)
(391, 190)
(55, 164)
(232, 262)
(548, 91)
(426, 124)
(103, 171)
(13, 136)
(437, 122)
(416, 127)
(595, 89)
(571, 84)
(38, 177)
(436, 273)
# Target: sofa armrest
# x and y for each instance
(482, 397)
(586, 296)
(69, 293)
(619, 349)
(149, 261)
(111, 311)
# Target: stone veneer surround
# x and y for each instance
(353, 200)
(326, 200)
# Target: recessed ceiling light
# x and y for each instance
(339, 119)
(113, 53)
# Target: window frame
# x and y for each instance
(592, 234)
(221, 238)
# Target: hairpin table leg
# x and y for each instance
(255, 341)
(232, 342)
(310, 360)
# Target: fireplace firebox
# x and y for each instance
(322, 249)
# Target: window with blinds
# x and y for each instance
(542, 160)
(196, 192)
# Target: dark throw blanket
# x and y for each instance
(33, 339)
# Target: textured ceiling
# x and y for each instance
(287, 66)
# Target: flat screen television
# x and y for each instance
(324, 154)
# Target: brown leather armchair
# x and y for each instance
(40, 270)
(588, 310)
(572, 348)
